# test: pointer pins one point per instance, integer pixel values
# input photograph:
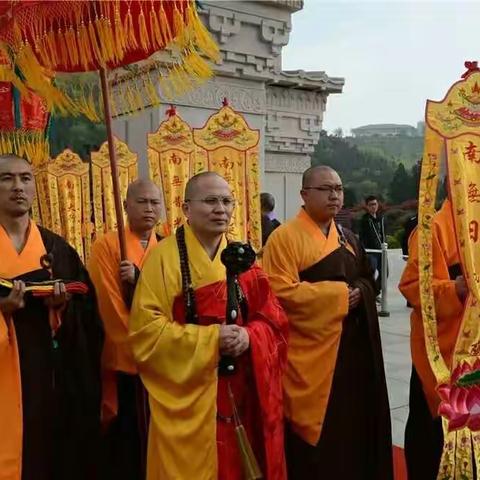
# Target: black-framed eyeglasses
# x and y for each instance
(227, 202)
(326, 188)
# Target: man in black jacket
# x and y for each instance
(408, 228)
(269, 222)
(372, 235)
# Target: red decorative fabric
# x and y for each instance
(7, 120)
(399, 465)
(260, 408)
(58, 15)
(34, 112)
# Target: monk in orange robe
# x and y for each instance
(423, 432)
(50, 348)
(178, 335)
(125, 408)
(336, 403)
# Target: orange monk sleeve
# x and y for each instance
(103, 268)
(447, 303)
(11, 403)
(4, 335)
(282, 264)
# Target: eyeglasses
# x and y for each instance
(227, 202)
(326, 188)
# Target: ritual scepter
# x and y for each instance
(238, 258)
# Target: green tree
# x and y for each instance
(401, 185)
(338, 132)
(349, 197)
(76, 133)
(363, 171)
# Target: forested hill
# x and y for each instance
(371, 168)
(407, 150)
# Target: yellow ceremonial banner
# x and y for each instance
(453, 132)
(64, 204)
(172, 161)
(228, 146)
(464, 174)
(432, 158)
(104, 206)
(35, 213)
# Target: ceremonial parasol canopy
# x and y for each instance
(40, 39)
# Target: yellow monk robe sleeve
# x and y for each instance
(447, 303)
(180, 354)
(178, 366)
(281, 260)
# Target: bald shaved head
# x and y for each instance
(141, 184)
(208, 204)
(312, 172)
(143, 206)
(192, 186)
(322, 193)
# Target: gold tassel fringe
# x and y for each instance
(100, 37)
(30, 145)
(251, 469)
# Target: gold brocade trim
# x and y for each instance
(476, 449)
(432, 158)
(254, 226)
(103, 202)
(464, 455)
(36, 211)
(446, 470)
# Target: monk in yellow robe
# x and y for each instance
(423, 432)
(336, 404)
(178, 335)
(124, 397)
(50, 345)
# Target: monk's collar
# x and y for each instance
(139, 237)
(303, 214)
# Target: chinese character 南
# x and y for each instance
(471, 152)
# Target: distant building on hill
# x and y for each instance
(386, 130)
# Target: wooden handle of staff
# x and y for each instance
(113, 164)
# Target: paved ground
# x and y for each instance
(395, 332)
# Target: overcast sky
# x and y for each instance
(393, 54)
